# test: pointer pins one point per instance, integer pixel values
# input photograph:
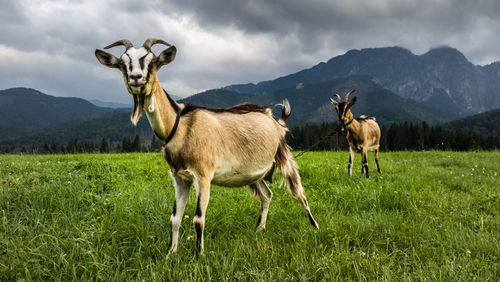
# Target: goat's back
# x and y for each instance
(232, 142)
(367, 136)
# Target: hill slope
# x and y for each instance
(487, 123)
(113, 126)
(31, 109)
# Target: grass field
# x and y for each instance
(429, 215)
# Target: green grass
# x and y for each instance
(429, 215)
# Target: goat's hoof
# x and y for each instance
(199, 252)
(260, 228)
(312, 221)
(169, 254)
(315, 225)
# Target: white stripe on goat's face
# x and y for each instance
(138, 65)
(137, 68)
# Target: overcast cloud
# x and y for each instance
(49, 45)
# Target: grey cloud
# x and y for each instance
(223, 42)
(11, 13)
(424, 23)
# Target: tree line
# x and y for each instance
(103, 146)
(396, 137)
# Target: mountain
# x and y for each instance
(487, 123)
(113, 125)
(27, 108)
(175, 97)
(310, 102)
(112, 105)
(219, 98)
(392, 84)
(442, 78)
(115, 105)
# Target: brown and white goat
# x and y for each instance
(232, 147)
(363, 133)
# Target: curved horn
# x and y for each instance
(152, 41)
(338, 97)
(346, 98)
(124, 42)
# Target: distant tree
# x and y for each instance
(136, 144)
(54, 148)
(72, 146)
(156, 144)
(46, 149)
(104, 147)
(125, 147)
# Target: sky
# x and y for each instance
(49, 45)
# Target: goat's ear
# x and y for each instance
(352, 102)
(335, 103)
(107, 59)
(166, 57)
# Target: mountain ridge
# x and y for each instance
(310, 102)
(440, 77)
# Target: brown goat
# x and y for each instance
(232, 147)
(363, 133)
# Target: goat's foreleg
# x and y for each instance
(376, 161)
(364, 154)
(202, 185)
(182, 188)
(265, 194)
(351, 159)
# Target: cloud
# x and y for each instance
(49, 45)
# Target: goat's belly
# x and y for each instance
(238, 177)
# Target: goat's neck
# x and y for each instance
(160, 111)
(353, 127)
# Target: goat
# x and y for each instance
(229, 147)
(363, 133)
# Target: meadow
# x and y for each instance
(429, 216)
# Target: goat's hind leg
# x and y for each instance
(364, 154)
(376, 161)
(362, 164)
(182, 188)
(265, 194)
(295, 187)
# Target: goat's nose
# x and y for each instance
(136, 76)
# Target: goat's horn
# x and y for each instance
(124, 42)
(338, 97)
(152, 41)
(346, 98)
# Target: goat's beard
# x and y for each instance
(137, 111)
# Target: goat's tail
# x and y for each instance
(285, 163)
(286, 110)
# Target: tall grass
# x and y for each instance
(429, 215)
